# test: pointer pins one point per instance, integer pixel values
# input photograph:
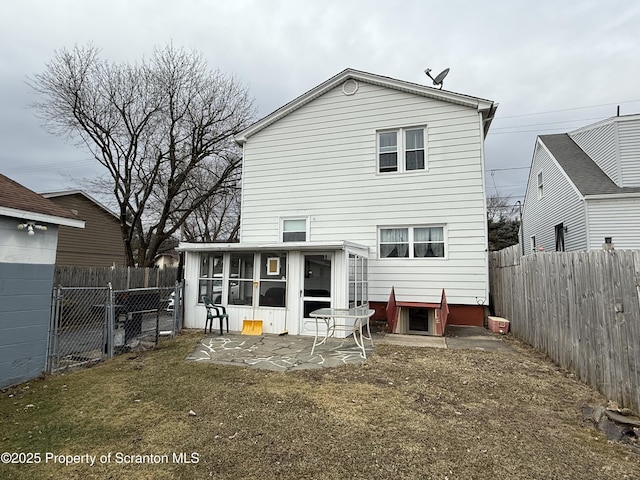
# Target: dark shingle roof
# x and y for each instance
(18, 197)
(585, 174)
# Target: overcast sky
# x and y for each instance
(552, 66)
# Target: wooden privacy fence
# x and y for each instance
(580, 308)
(121, 278)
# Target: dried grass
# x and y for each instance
(407, 413)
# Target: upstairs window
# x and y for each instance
(402, 150)
(388, 151)
(414, 149)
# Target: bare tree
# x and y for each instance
(498, 206)
(501, 224)
(157, 127)
(218, 218)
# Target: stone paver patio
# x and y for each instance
(290, 352)
(277, 353)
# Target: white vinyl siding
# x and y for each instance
(320, 162)
(629, 145)
(559, 204)
(614, 145)
(618, 218)
(600, 144)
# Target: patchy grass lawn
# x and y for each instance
(408, 413)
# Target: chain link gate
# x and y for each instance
(92, 324)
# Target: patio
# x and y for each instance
(292, 352)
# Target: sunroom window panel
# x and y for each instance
(210, 280)
(273, 279)
(241, 279)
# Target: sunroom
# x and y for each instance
(279, 284)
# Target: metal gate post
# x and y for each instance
(54, 324)
(109, 318)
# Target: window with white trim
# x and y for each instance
(294, 230)
(402, 150)
(412, 242)
(540, 185)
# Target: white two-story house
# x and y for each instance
(583, 191)
(361, 184)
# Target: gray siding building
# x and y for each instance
(584, 189)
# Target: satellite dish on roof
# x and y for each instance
(439, 78)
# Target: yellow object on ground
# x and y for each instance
(251, 327)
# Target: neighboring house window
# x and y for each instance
(210, 280)
(241, 279)
(294, 230)
(402, 150)
(559, 237)
(358, 281)
(273, 280)
(412, 242)
(540, 185)
(533, 243)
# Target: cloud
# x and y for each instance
(531, 57)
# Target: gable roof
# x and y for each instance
(487, 107)
(67, 193)
(585, 174)
(18, 201)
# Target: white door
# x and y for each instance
(316, 287)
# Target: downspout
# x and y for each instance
(483, 132)
(521, 235)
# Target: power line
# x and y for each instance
(565, 109)
(505, 168)
(50, 166)
(548, 123)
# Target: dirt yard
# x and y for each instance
(407, 413)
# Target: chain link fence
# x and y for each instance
(90, 324)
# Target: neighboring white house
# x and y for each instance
(362, 184)
(28, 240)
(584, 189)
